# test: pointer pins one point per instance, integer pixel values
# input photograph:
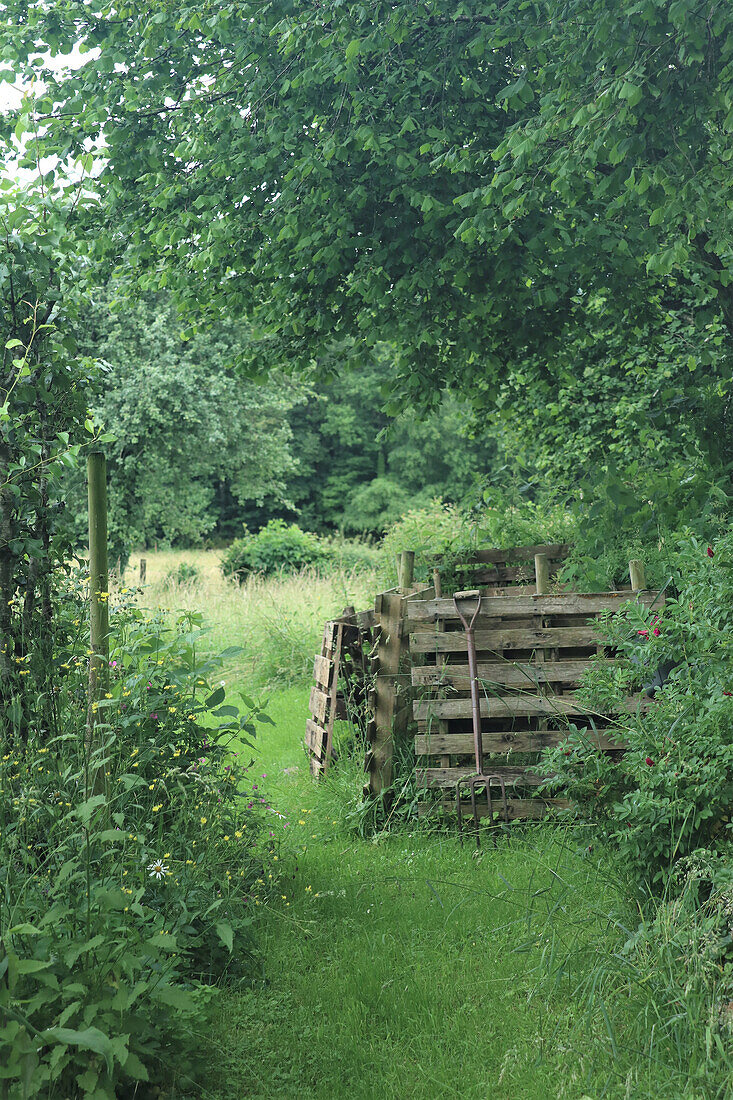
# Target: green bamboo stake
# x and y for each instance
(98, 604)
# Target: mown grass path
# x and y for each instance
(406, 967)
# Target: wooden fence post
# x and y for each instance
(143, 570)
(405, 569)
(542, 573)
(98, 603)
(638, 578)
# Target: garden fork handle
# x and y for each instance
(472, 594)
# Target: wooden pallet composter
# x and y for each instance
(532, 649)
(341, 675)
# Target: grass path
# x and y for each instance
(406, 967)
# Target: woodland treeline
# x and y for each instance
(198, 449)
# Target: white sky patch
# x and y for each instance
(11, 98)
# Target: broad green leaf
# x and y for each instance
(225, 934)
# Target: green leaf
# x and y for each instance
(134, 1068)
(30, 966)
(175, 997)
(89, 1039)
(632, 93)
(353, 49)
(215, 698)
(226, 935)
(87, 809)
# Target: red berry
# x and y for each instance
(650, 762)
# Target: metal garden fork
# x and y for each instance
(479, 780)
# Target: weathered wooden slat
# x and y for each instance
(502, 575)
(389, 609)
(318, 705)
(563, 603)
(440, 742)
(322, 671)
(500, 639)
(488, 589)
(557, 550)
(498, 574)
(502, 674)
(521, 705)
(324, 708)
(315, 737)
(448, 777)
(316, 767)
(527, 809)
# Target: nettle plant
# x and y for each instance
(120, 909)
(671, 793)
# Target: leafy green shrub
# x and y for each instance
(284, 548)
(672, 791)
(435, 530)
(277, 547)
(638, 513)
(118, 909)
(348, 555)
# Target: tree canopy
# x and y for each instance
(459, 178)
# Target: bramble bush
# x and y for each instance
(120, 909)
(671, 793)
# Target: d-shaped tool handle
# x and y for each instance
(471, 594)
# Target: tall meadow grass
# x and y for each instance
(277, 621)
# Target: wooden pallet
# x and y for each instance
(340, 678)
(390, 698)
(502, 572)
(532, 651)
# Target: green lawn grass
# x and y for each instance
(405, 966)
(401, 965)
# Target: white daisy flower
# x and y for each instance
(157, 869)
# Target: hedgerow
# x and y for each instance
(129, 877)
